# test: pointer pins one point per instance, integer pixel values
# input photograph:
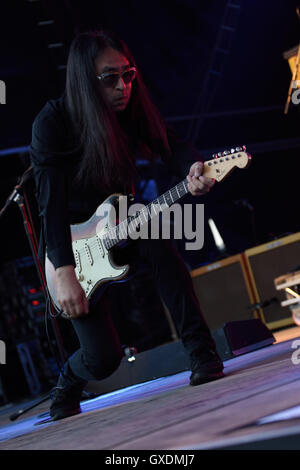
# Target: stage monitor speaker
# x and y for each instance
(266, 262)
(223, 291)
(241, 337)
(235, 339)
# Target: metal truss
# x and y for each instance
(54, 27)
(212, 78)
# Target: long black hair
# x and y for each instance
(109, 142)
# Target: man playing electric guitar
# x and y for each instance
(84, 147)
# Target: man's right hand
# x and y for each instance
(70, 295)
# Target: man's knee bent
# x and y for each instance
(101, 367)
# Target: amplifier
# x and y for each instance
(224, 291)
(266, 262)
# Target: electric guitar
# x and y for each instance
(94, 240)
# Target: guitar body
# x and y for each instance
(95, 267)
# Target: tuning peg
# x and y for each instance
(238, 149)
(226, 152)
(232, 150)
(220, 154)
(244, 148)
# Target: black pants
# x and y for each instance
(100, 350)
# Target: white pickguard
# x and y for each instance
(93, 263)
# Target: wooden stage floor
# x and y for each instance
(238, 411)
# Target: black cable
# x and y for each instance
(53, 352)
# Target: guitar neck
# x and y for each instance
(216, 168)
(128, 226)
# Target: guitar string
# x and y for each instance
(83, 251)
(128, 224)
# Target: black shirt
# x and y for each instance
(55, 155)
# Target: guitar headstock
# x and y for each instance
(224, 162)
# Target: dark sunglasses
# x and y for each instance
(110, 80)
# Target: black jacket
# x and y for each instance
(55, 154)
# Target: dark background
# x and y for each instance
(216, 71)
(176, 45)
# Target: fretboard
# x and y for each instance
(123, 230)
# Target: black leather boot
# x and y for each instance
(206, 366)
(66, 395)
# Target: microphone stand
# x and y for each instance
(19, 196)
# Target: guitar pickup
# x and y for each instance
(89, 254)
(100, 246)
(78, 261)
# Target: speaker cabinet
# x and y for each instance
(224, 291)
(266, 262)
(236, 338)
